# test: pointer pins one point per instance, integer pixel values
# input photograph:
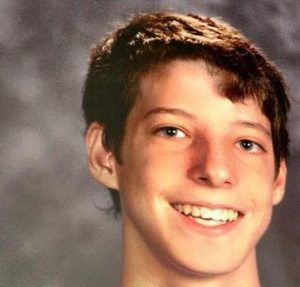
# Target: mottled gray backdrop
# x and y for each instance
(53, 229)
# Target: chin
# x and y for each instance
(202, 269)
(209, 264)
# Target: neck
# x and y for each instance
(140, 268)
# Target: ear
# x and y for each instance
(279, 184)
(101, 161)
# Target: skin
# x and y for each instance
(186, 143)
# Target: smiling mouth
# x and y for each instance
(206, 216)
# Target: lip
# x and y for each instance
(189, 224)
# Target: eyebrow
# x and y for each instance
(254, 125)
(173, 111)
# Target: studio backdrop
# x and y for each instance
(56, 229)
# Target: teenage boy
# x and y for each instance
(186, 126)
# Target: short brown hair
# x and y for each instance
(118, 63)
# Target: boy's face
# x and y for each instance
(186, 144)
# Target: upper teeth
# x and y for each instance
(206, 213)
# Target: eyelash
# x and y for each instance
(174, 131)
(253, 144)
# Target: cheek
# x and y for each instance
(261, 164)
(256, 171)
(147, 174)
(260, 194)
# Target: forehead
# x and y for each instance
(190, 74)
(229, 84)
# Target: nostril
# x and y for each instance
(215, 181)
(204, 179)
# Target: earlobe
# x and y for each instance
(279, 184)
(101, 161)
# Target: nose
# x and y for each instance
(214, 167)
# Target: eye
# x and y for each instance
(250, 146)
(171, 132)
